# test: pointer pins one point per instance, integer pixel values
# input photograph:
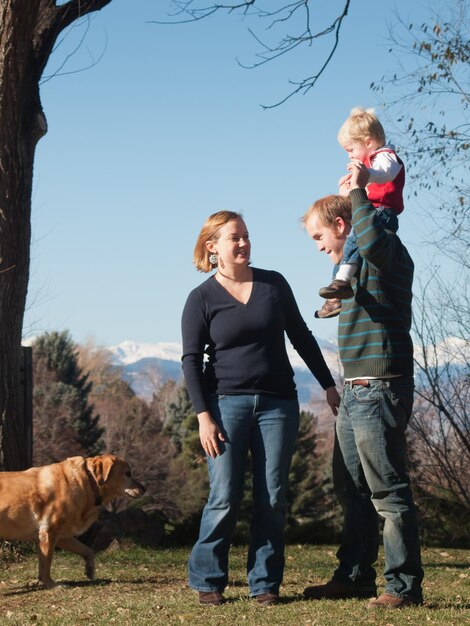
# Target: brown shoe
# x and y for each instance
(267, 599)
(337, 289)
(331, 308)
(211, 597)
(337, 590)
(387, 601)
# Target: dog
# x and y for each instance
(53, 504)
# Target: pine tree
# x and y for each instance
(175, 414)
(311, 512)
(64, 420)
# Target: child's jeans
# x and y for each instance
(350, 250)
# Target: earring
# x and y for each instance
(213, 260)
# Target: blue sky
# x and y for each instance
(167, 128)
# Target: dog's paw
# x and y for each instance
(34, 584)
(90, 568)
(48, 584)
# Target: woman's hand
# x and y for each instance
(209, 434)
(333, 398)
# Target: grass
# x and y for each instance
(137, 586)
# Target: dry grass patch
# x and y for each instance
(137, 586)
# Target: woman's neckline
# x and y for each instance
(220, 277)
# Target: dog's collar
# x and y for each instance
(94, 487)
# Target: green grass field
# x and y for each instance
(148, 586)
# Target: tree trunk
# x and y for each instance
(28, 31)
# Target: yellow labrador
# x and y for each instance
(54, 503)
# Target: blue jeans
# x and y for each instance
(370, 476)
(386, 217)
(268, 427)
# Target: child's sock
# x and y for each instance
(346, 271)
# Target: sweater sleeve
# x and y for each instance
(302, 339)
(377, 246)
(195, 334)
(384, 168)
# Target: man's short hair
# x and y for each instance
(328, 209)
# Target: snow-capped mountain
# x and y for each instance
(147, 366)
(452, 350)
(129, 352)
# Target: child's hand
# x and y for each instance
(352, 163)
(344, 179)
(344, 189)
(359, 175)
(344, 185)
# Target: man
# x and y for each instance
(376, 351)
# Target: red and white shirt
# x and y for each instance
(387, 179)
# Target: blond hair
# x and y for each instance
(327, 209)
(361, 123)
(210, 232)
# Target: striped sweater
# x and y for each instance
(374, 326)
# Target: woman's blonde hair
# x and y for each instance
(361, 123)
(210, 232)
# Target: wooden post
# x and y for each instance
(26, 417)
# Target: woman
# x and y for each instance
(242, 387)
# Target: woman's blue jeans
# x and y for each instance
(370, 475)
(267, 426)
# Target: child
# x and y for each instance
(363, 138)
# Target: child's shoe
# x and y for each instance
(337, 289)
(331, 308)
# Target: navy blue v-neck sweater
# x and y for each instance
(231, 348)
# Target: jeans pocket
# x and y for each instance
(365, 395)
(401, 396)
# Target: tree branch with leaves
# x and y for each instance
(428, 102)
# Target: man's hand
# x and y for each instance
(359, 174)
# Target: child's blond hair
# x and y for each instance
(361, 123)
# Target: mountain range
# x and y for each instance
(146, 366)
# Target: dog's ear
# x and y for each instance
(101, 467)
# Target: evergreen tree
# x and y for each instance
(312, 512)
(304, 483)
(64, 420)
(175, 414)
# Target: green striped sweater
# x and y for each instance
(374, 326)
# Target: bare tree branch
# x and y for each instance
(297, 11)
(441, 419)
(60, 70)
(52, 20)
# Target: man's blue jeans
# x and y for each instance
(369, 468)
(268, 427)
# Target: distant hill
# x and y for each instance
(146, 366)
